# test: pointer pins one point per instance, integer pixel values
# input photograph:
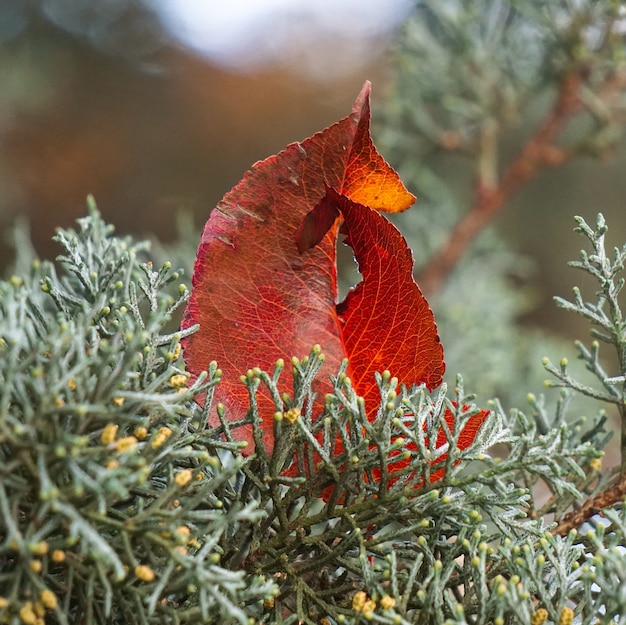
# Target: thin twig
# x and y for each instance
(604, 499)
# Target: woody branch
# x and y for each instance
(539, 152)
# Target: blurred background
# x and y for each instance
(157, 108)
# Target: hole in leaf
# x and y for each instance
(348, 275)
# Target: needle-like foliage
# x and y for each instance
(121, 504)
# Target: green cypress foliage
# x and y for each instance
(119, 504)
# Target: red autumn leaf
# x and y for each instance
(257, 298)
(385, 321)
(387, 299)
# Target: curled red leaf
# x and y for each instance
(385, 320)
(265, 284)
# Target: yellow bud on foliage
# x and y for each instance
(126, 444)
(369, 606)
(182, 478)
(359, 600)
(58, 556)
(566, 617)
(595, 464)
(292, 415)
(109, 433)
(49, 599)
(140, 432)
(27, 614)
(178, 380)
(183, 532)
(162, 435)
(387, 602)
(144, 573)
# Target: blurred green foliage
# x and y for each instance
(474, 85)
